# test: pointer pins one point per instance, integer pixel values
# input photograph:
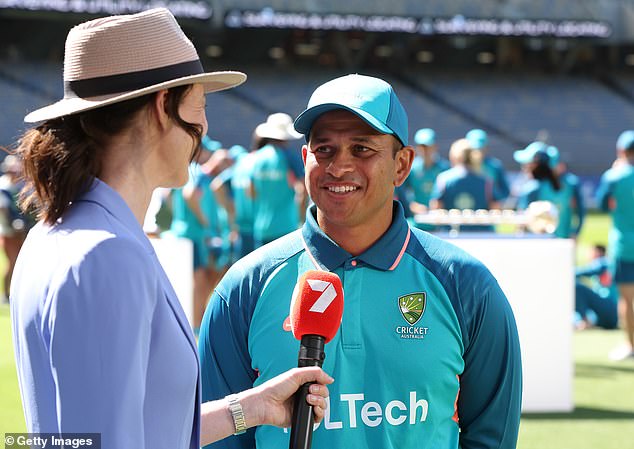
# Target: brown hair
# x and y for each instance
(62, 156)
(461, 152)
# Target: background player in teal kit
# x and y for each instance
(596, 295)
(274, 181)
(616, 195)
(491, 167)
(539, 161)
(415, 192)
(427, 354)
(464, 186)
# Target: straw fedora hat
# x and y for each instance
(278, 126)
(118, 58)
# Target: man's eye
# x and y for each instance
(322, 150)
(363, 150)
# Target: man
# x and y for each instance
(491, 166)
(233, 190)
(427, 354)
(596, 296)
(616, 195)
(416, 190)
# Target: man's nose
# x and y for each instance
(341, 163)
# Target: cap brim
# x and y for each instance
(212, 82)
(304, 122)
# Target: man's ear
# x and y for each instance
(304, 153)
(403, 164)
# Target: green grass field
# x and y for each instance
(603, 390)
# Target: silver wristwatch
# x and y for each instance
(237, 414)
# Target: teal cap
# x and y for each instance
(371, 99)
(625, 140)
(477, 138)
(425, 136)
(527, 154)
(237, 151)
(553, 155)
(209, 144)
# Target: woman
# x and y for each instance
(545, 185)
(102, 344)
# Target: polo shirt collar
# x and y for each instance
(384, 254)
(108, 198)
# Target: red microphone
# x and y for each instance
(316, 310)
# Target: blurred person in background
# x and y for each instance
(622, 142)
(14, 224)
(492, 167)
(101, 341)
(545, 185)
(596, 295)
(275, 184)
(193, 220)
(464, 186)
(615, 195)
(416, 191)
(574, 215)
(234, 191)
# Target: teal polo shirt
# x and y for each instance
(427, 355)
(618, 184)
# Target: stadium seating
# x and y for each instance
(580, 115)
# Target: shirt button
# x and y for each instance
(353, 263)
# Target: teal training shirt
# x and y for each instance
(420, 181)
(276, 212)
(617, 184)
(184, 221)
(427, 355)
(563, 199)
(241, 180)
(494, 170)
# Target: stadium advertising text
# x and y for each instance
(457, 25)
(180, 8)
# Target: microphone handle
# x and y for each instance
(311, 353)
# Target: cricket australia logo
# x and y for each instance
(412, 307)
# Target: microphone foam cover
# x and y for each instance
(317, 305)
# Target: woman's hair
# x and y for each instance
(62, 157)
(461, 152)
(541, 170)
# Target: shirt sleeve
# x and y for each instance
(98, 325)
(224, 356)
(594, 268)
(489, 402)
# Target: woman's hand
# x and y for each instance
(272, 402)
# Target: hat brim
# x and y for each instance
(212, 82)
(304, 122)
(266, 131)
(523, 156)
